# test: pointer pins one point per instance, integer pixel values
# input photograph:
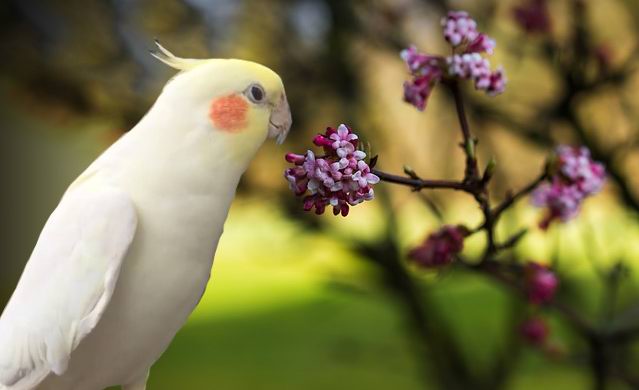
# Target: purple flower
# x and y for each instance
(417, 90)
(483, 43)
(541, 283)
(439, 248)
(472, 66)
(418, 63)
(468, 66)
(426, 72)
(459, 28)
(533, 17)
(497, 83)
(575, 176)
(534, 331)
(576, 165)
(563, 201)
(340, 178)
(342, 141)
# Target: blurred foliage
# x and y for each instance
(300, 300)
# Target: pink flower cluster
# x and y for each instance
(461, 30)
(340, 178)
(466, 62)
(439, 248)
(459, 27)
(575, 177)
(541, 283)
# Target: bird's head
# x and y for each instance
(241, 103)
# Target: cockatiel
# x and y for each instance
(125, 257)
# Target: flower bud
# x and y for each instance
(541, 283)
(534, 331)
(439, 248)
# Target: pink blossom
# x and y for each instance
(575, 176)
(541, 283)
(563, 201)
(439, 248)
(418, 63)
(417, 90)
(294, 158)
(340, 178)
(342, 141)
(497, 82)
(533, 16)
(534, 331)
(468, 66)
(426, 72)
(578, 168)
(472, 66)
(483, 43)
(459, 28)
(468, 63)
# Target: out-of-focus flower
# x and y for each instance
(440, 247)
(467, 63)
(426, 72)
(340, 178)
(562, 201)
(474, 67)
(541, 283)
(459, 28)
(497, 83)
(417, 90)
(419, 64)
(533, 16)
(534, 331)
(483, 43)
(574, 177)
(577, 167)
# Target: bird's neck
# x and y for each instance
(178, 158)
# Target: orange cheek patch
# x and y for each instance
(228, 113)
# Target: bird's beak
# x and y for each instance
(280, 120)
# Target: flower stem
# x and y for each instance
(472, 172)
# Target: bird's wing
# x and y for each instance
(67, 283)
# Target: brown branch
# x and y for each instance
(418, 184)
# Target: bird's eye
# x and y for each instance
(256, 93)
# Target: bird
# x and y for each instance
(126, 255)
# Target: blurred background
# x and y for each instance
(305, 301)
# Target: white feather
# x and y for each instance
(67, 283)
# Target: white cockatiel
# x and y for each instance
(125, 257)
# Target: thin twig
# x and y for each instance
(472, 172)
(418, 184)
(512, 198)
(503, 273)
